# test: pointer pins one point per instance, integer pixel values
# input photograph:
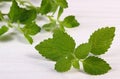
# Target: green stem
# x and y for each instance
(51, 18)
(81, 60)
(4, 14)
(61, 26)
(2, 17)
(17, 28)
(74, 56)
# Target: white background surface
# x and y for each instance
(19, 60)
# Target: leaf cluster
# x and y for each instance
(61, 49)
(23, 13)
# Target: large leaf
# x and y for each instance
(95, 66)
(61, 45)
(101, 40)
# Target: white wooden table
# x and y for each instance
(19, 60)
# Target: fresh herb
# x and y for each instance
(25, 13)
(61, 48)
(49, 8)
(19, 17)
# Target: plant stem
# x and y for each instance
(51, 18)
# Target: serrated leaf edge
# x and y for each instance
(103, 61)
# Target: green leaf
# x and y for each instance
(29, 38)
(61, 48)
(49, 26)
(48, 6)
(3, 30)
(45, 7)
(21, 14)
(62, 3)
(54, 6)
(95, 66)
(45, 49)
(82, 51)
(101, 40)
(31, 29)
(60, 12)
(61, 45)
(70, 22)
(67, 43)
(76, 64)
(63, 65)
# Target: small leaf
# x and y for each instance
(57, 47)
(70, 22)
(82, 51)
(63, 65)
(45, 7)
(21, 14)
(62, 3)
(101, 40)
(95, 66)
(48, 6)
(31, 29)
(49, 26)
(29, 38)
(3, 30)
(76, 64)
